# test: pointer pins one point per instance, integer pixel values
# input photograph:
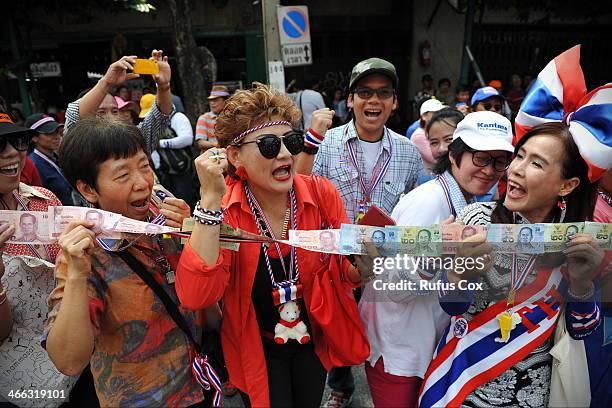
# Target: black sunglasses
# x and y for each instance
(488, 106)
(367, 93)
(20, 141)
(483, 159)
(270, 145)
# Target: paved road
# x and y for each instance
(361, 398)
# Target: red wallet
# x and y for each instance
(376, 217)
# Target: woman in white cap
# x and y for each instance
(419, 137)
(403, 330)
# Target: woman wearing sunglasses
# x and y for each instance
(257, 283)
(405, 328)
(20, 316)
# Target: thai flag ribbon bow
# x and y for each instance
(559, 95)
(207, 377)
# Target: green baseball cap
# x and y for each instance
(373, 66)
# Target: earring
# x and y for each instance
(563, 207)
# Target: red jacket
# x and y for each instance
(199, 285)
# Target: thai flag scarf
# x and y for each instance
(559, 95)
(460, 365)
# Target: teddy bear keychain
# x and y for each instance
(290, 325)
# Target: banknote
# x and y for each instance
(529, 238)
(601, 233)
(453, 234)
(502, 237)
(31, 227)
(125, 224)
(426, 241)
(103, 221)
(352, 238)
(189, 223)
(326, 241)
(557, 235)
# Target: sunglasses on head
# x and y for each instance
(490, 106)
(270, 145)
(483, 159)
(20, 141)
(367, 93)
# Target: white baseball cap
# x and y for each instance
(431, 105)
(485, 131)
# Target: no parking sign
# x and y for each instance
(294, 32)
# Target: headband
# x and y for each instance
(241, 136)
(559, 95)
(42, 121)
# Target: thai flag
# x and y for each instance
(286, 292)
(556, 91)
(591, 128)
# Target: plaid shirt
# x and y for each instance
(333, 162)
(151, 128)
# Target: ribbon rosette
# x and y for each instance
(559, 95)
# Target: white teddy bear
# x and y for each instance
(290, 325)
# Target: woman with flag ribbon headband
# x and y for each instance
(503, 359)
(267, 289)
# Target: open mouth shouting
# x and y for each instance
(372, 113)
(282, 173)
(141, 206)
(516, 191)
(10, 170)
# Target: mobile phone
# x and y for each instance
(146, 67)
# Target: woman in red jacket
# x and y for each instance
(267, 290)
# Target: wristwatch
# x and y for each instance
(310, 150)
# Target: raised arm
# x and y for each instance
(321, 121)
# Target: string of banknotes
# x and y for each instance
(44, 227)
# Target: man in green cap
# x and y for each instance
(368, 163)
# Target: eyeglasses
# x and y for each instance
(367, 93)
(490, 106)
(20, 141)
(270, 145)
(483, 159)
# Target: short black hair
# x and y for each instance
(450, 116)
(455, 149)
(426, 77)
(92, 141)
(443, 80)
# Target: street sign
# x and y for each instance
(276, 75)
(46, 69)
(294, 33)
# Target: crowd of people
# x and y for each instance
(163, 322)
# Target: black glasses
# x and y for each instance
(270, 145)
(367, 93)
(490, 106)
(483, 159)
(20, 141)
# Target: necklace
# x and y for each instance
(607, 197)
(286, 223)
(161, 261)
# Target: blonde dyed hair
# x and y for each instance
(248, 108)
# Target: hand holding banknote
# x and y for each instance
(474, 247)
(6, 232)
(77, 243)
(175, 210)
(583, 257)
(365, 263)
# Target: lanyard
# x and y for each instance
(379, 170)
(446, 188)
(294, 273)
(32, 248)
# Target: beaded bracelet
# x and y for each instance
(586, 296)
(207, 217)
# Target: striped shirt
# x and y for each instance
(151, 127)
(333, 162)
(205, 128)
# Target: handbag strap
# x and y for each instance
(169, 304)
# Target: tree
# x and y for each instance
(189, 59)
